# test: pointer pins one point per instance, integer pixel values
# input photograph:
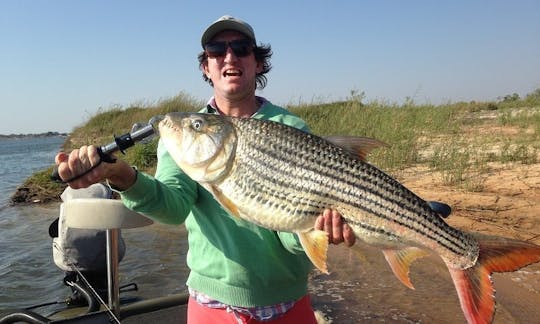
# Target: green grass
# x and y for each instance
(38, 187)
(102, 127)
(447, 138)
(410, 131)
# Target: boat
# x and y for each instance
(111, 216)
(167, 309)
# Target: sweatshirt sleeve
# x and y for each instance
(168, 197)
(290, 242)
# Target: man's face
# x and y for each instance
(233, 76)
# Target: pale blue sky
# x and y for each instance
(60, 61)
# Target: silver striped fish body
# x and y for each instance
(282, 178)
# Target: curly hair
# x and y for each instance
(263, 53)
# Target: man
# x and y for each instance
(239, 272)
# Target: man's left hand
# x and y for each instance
(338, 231)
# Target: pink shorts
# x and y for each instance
(301, 313)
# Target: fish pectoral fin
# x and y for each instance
(401, 260)
(315, 244)
(357, 145)
(225, 202)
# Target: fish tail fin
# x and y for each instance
(474, 285)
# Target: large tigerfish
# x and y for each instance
(281, 178)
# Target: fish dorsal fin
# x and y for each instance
(357, 145)
(315, 244)
(401, 260)
(224, 201)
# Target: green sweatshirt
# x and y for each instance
(231, 260)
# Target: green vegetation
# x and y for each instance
(38, 188)
(460, 142)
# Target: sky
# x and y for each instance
(63, 61)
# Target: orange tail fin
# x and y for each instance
(474, 285)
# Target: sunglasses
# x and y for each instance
(240, 48)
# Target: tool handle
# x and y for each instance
(121, 143)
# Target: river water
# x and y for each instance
(155, 256)
(359, 289)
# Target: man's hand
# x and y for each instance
(78, 162)
(338, 231)
(86, 162)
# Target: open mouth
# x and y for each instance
(232, 72)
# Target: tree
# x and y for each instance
(533, 96)
(512, 97)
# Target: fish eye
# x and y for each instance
(197, 124)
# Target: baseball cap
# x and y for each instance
(227, 23)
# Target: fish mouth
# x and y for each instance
(166, 123)
(155, 122)
(156, 119)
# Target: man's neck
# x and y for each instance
(241, 108)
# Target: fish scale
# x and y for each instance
(282, 179)
(272, 158)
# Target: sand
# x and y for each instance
(363, 289)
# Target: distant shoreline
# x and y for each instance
(46, 134)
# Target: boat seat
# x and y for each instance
(110, 215)
(103, 214)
